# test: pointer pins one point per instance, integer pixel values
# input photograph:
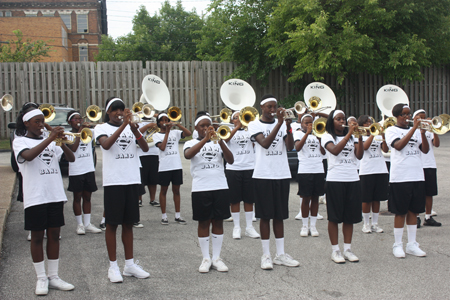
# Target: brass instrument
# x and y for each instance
(148, 135)
(318, 127)
(224, 115)
(49, 112)
(247, 115)
(174, 114)
(359, 131)
(391, 121)
(438, 125)
(85, 136)
(140, 111)
(7, 102)
(222, 133)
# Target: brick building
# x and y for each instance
(72, 27)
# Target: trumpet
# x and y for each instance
(288, 114)
(222, 133)
(224, 115)
(49, 112)
(7, 102)
(247, 115)
(140, 111)
(318, 127)
(85, 136)
(359, 131)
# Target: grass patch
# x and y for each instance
(184, 140)
(4, 145)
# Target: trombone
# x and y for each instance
(222, 133)
(7, 102)
(85, 136)
(247, 115)
(224, 115)
(49, 112)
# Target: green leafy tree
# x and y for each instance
(19, 50)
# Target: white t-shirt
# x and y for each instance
(428, 160)
(341, 167)
(84, 162)
(152, 150)
(207, 169)
(406, 164)
(169, 159)
(195, 135)
(271, 163)
(121, 162)
(42, 181)
(373, 160)
(309, 157)
(242, 148)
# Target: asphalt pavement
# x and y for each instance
(172, 255)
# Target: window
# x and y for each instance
(64, 37)
(67, 19)
(1, 14)
(8, 14)
(82, 23)
(48, 14)
(83, 53)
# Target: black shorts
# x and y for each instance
(272, 198)
(210, 205)
(44, 216)
(374, 187)
(407, 196)
(310, 185)
(149, 169)
(83, 182)
(121, 203)
(431, 188)
(240, 184)
(325, 167)
(141, 189)
(344, 202)
(174, 176)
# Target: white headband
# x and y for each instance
(232, 116)
(70, 117)
(304, 116)
(419, 111)
(111, 102)
(351, 117)
(202, 118)
(33, 113)
(406, 106)
(268, 100)
(162, 115)
(338, 111)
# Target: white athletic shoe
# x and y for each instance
(299, 216)
(80, 229)
(285, 260)
(29, 236)
(92, 229)
(366, 228)
(350, 256)
(219, 265)
(59, 284)
(266, 262)
(251, 232)
(433, 213)
(319, 216)
(41, 286)
(376, 229)
(135, 270)
(205, 266)
(314, 231)
(236, 233)
(397, 250)
(254, 219)
(413, 249)
(230, 219)
(337, 257)
(304, 231)
(114, 274)
(322, 200)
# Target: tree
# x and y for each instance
(23, 51)
(391, 38)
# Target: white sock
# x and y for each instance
(398, 235)
(129, 262)
(427, 216)
(163, 216)
(87, 219)
(177, 215)
(217, 240)
(248, 219)
(305, 222)
(79, 219)
(254, 211)
(52, 268)
(301, 201)
(236, 220)
(411, 230)
(366, 218)
(347, 247)
(375, 218)
(312, 221)
(266, 247)
(103, 220)
(335, 247)
(280, 246)
(40, 270)
(113, 264)
(204, 246)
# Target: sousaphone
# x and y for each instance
(388, 96)
(237, 94)
(319, 97)
(155, 92)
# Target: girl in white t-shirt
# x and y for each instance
(121, 181)
(373, 175)
(210, 197)
(343, 186)
(170, 169)
(43, 193)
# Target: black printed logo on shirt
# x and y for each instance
(209, 153)
(124, 142)
(241, 140)
(46, 156)
(373, 150)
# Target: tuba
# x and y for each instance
(7, 102)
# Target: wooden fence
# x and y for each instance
(193, 86)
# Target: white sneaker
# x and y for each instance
(29, 236)
(59, 284)
(219, 265)
(413, 249)
(266, 262)
(433, 213)
(314, 231)
(114, 274)
(80, 229)
(230, 219)
(337, 257)
(135, 270)
(350, 256)
(92, 229)
(42, 286)
(254, 219)
(397, 250)
(321, 200)
(366, 228)
(236, 233)
(376, 229)
(304, 231)
(205, 266)
(251, 232)
(319, 216)
(299, 216)
(285, 260)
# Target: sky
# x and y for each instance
(121, 12)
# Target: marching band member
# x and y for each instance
(81, 176)
(43, 193)
(407, 191)
(343, 186)
(373, 175)
(272, 177)
(210, 197)
(239, 177)
(170, 169)
(310, 175)
(121, 181)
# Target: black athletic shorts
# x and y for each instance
(240, 184)
(344, 202)
(121, 204)
(272, 198)
(407, 196)
(174, 176)
(44, 216)
(149, 169)
(431, 188)
(84, 182)
(310, 185)
(208, 205)
(374, 187)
